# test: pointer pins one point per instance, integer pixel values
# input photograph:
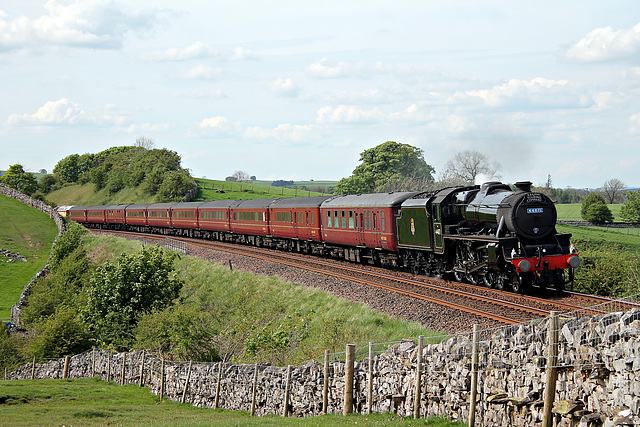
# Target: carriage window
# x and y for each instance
(328, 219)
(336, 220)
(352, 223)
(382, 220)
(288, 216)
(313, 218)
(375, 226)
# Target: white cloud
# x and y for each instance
(202, 72)
(285, 131)
(62, 111)
(194, 51)
(217, 122)
(242, 54)
(319, 69)
(348, 114)
(536, 91)
(99, 24)
(604, 44)
(285, 88)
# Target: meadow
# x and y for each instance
(30, 233)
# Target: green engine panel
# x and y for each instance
(413, 228)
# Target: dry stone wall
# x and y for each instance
(598, 377)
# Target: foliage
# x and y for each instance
(62, 333)
(10, 348)
(605, 270)
(48, 183)
(123, 289)
(68, 242)
(384, 163)
(174, 186)
(17, 178)
(64, 286)
(630, 210)
(465, 167)
(182, 333)
(118, 168)
(595, 210)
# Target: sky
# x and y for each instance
(298, 89)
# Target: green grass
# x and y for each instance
(30, 233)
(85, 195)
(244, 190)
(332, 322)
(571, 211)
(602, 236)
(92, 402)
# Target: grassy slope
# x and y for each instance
(265, 299)
(86, 195)
(91, 402)
(30, 233)
(239, 191)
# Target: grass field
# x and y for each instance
(30, 233)
(571, 211)
(92, 402)
(244, 190)
(85, 195)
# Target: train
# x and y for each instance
(490, 235)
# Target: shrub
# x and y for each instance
(125, 288)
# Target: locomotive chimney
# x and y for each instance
(524, 186)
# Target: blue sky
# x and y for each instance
(298, 89)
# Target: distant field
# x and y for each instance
(571, 211)
(244, 190)
(30, 233)
(85, 195)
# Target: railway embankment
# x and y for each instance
(591, 363)
(55, 216)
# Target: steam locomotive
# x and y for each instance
(487, 235)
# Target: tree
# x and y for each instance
(595, 210)
(467, 166)
(68, 169)
(240, 176)
(174, 186)
(144, 142)
(613, 190)
(383, 163)
(127, 287)
(48, 183)
(17, 178)
(630, 210)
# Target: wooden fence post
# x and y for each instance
(186, 383)
(215, 402)
(287, 391)
(474, 375)
(347, 407)
(161, 377)
(253, 393)
(552, 370)
(416, 400)
(93, 362)
(325, 387)
(370, 384)
(124, 366)
(65, 370)
(33, 368)
(141, 383)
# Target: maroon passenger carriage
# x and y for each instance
(362, 227)
(296, 223)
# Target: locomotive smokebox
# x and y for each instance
(528, 215)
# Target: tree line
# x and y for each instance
(156, 171)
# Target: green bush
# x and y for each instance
(63, 333)
(123, 289)
(605, 270)
(66, 244)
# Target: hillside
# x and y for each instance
(30, 233)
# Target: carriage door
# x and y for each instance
(437, 227)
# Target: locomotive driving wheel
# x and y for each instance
(492, 280)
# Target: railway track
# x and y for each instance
(497, 306)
